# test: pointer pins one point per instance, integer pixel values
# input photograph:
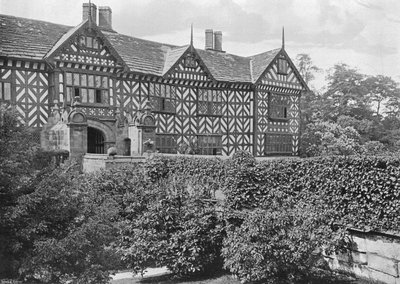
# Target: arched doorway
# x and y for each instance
(127, 147)
(95, 141)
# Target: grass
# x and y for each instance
(166, 279)
(325, 278)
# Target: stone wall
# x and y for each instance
(374, 256)
(97, 162)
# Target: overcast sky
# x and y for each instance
(361, 33)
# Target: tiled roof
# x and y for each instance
(225, 66)
(172, 56)
(140, 55)
(65, 37)
(261, 61)
(33, 39)
(27, 38)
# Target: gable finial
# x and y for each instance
(191, 36)
(283, 37)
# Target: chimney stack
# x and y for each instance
(93, 11)
(218, 40)
(209, 39)
(105, 18)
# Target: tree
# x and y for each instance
(381, 88)
(346, 94)
(64, 230)
(328, 138)
(310, 100)
(306, 67)
(16, 158)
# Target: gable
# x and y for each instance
(189, 66)
(281, 72)
(85, 46)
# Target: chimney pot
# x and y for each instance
(218, 40)
(85, 12)
(105, 18)
(209, 39)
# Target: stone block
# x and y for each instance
(352, 257)
(382, 277)
(389, 248)
(383, 264)
(359, 243)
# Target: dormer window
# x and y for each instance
(190, 62)
(282, 66)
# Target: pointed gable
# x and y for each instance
(280, 72)
(185, 63)
(85, 45)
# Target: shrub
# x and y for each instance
(174, 225)
(166, 215)
(65, 228)
(278, 242)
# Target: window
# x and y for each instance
(162, 98)
(278, 107)
(278, 144)
(98, 96)
(209, 103)
(5, 91)
(88, 42)
(282, 66)
(166, 143)
(90, 88)
(190, 62)
(210, 144)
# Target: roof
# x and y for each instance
(25, 38)
(260, 62)
(33, 39)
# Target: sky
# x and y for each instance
(364, 34)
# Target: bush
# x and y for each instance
(65, 228)
(363, 190)
(278, 242)
(174, 225)
(281, 211)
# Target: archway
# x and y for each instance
(95, 141)
(127, 147)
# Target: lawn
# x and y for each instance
(228, 279)
(166, 279)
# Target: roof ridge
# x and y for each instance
(30, 19)
(275, 49)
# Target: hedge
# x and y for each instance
(363, 191)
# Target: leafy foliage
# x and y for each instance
(327, 138)
(280, 212)
(64, 231)
(16, 170)
(170, 220)
(278, 241)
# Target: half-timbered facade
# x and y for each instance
(89, 82)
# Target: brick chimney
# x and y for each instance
(218, 40)
(209, 39)
(105, 18)
(85, 12)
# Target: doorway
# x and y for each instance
(95, 141)
(127, 147)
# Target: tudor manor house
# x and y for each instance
(87, 88)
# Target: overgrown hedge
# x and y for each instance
(363, 191)
(275, 216)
